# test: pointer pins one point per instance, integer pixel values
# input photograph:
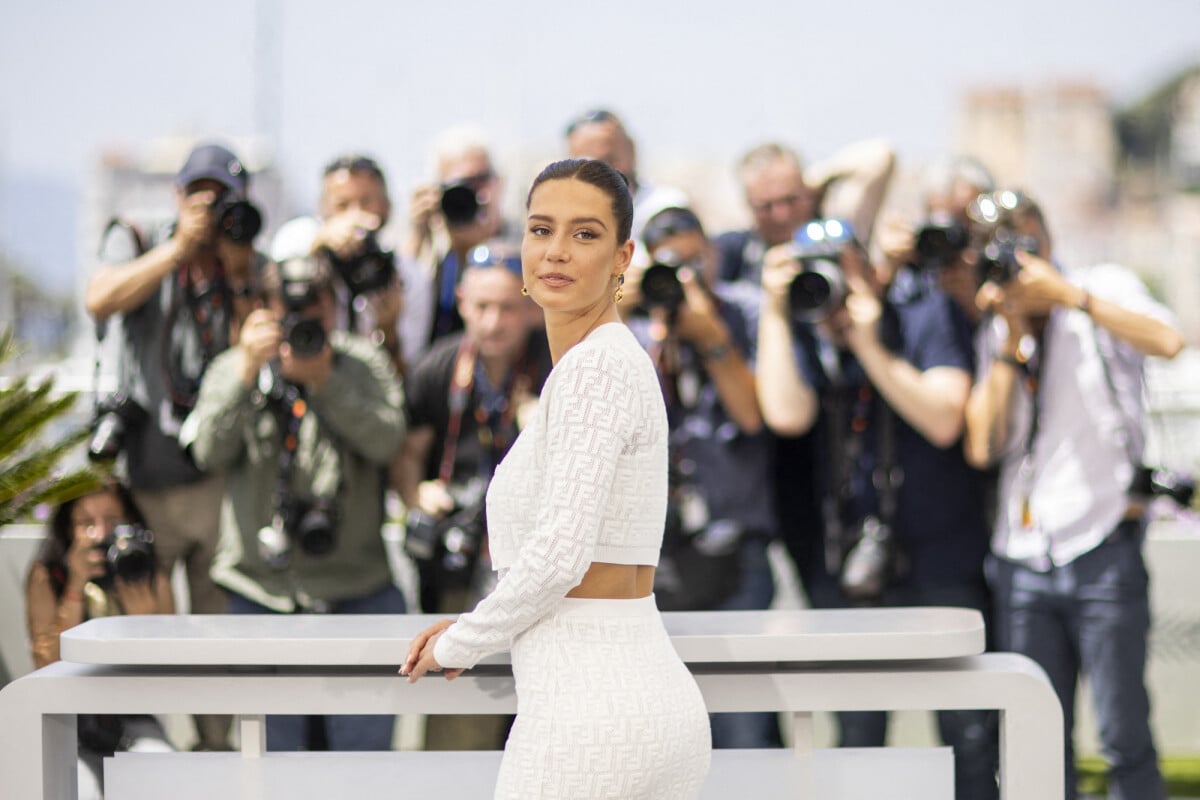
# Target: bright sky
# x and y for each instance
(694, 79)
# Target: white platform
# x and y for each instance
(875, 634)
(867, 774)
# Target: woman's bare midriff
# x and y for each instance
(615, 582)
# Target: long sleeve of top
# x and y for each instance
(586, 481)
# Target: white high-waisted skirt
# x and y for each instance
(605, 708)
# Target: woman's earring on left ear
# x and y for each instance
(525, 290)
(619, 293)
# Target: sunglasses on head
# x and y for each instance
(595, 115)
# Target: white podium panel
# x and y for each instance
(850, 774)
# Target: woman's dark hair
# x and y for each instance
(53, 554)
(603, 177)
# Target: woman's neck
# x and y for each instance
(566, 331)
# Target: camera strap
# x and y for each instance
(209, 310)
(496, 427)
(1130, 424)
(101, 329)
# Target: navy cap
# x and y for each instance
(213, 162)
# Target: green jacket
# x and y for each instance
(349, 434)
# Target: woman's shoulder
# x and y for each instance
(612, 349)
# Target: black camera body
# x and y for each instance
(460, 204)
(116, 415)
(305, 335)
(939, 241)
(371, 269)
(307, 523)
(1151, 482)
(997, 261)
(311, 523)
(820, 288)
(660, 285)
(238, 219)
(457, 538)
(128, 555)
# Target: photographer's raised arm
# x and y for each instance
(700, 323)
(851, 183)
(128, 279)
(789, 405)
(1039, 287)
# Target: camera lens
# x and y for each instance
(306, 337)
(816, 292)
(315, 532)
(661, 287)
(129, 554)
(238, 220)
(460, 204)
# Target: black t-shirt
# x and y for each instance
(427, 395)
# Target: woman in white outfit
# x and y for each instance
(605, 707)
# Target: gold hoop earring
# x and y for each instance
(525, 290)
(620, 292)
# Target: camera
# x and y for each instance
(307, 523)
(128, 555)
(660, 283)
(1150, 482)
(997, 261)
(868, 563)
(820, 288)
(238, 219)
(939, 241)
(460, 204)
(370, 269)
(116, 416)
(458, 537)
(305, 335)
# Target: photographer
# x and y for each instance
(379, 295)
(178, 291)
(1058, 405)
(97, 560)
(304, 419)
(600, 134)
(719, 517)
(448, 218)
(881, 380)
(467, 399)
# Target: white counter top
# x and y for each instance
(875, 634)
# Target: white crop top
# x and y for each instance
(585, 481)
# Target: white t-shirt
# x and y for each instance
(1089, 436)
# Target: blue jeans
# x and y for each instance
(372, 732)
(755, 591)
(1091, 616)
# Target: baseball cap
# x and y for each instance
(214, 162)
(669, 222)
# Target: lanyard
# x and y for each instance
(494, 426)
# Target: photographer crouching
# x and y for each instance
(882, 379)
(304, 420)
